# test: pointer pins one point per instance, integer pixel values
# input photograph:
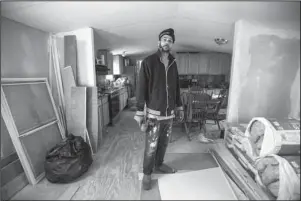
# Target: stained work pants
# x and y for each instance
(156, 141)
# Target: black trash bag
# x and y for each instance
(68, 160)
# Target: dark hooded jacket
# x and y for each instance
(158, 87)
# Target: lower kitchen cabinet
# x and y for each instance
(104, 119)
(123, 97)
(100, 124)
(106, 113)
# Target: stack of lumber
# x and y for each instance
(80, 102)
(237, 173)
(235, 140)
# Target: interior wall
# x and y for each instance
(24, 51)
(264, 73)
(24, 54)
(99, 44)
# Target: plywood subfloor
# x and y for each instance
(114, 172)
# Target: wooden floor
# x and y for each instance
(114, 172)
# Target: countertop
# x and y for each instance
(113, 90)
(103, 96)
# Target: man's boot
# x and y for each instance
(147, 182)
(165, 169)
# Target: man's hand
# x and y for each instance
(141, 122)
(139, 119)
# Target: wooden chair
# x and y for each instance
(195, 111)
(213, 107)
(177, 121)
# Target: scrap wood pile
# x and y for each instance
(272, 158)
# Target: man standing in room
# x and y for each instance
(158, 100)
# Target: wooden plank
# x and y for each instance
(59, 123)
(9, 159)
(88, 140)
(11, 171)
(7, 147)
(237, 173)
(100, 124)
(13, 187)
(92, 116)
(237, 191)
(68, 83)
(16, 80)
(78, 111)
(70, 53)
(58, 82)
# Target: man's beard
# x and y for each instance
(163, 50)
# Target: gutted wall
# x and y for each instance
(24, 54)
(265, 72)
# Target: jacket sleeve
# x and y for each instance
(179, 103)
(142, 89)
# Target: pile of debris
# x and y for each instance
(270, 150)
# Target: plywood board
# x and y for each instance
(78, 111)
(68, 83)
(13, 187)
(92, 116)
(71, 53)
(208, 184)
(11, 171)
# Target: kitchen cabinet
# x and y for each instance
(203, 63)
(123, 97)
(103, 117)
(182, 60)
(118, 64)
(106, 114)
(193, 64)
(100, 124)
(110, 63)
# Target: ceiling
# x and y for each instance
(134, 26)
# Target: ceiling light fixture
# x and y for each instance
(221, 41)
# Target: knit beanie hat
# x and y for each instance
(170, 32)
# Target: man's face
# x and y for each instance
(166, 43)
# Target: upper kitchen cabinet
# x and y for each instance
(219, 63)
(203, 63)
(193, 63)
(182, 60)
(118, 64)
